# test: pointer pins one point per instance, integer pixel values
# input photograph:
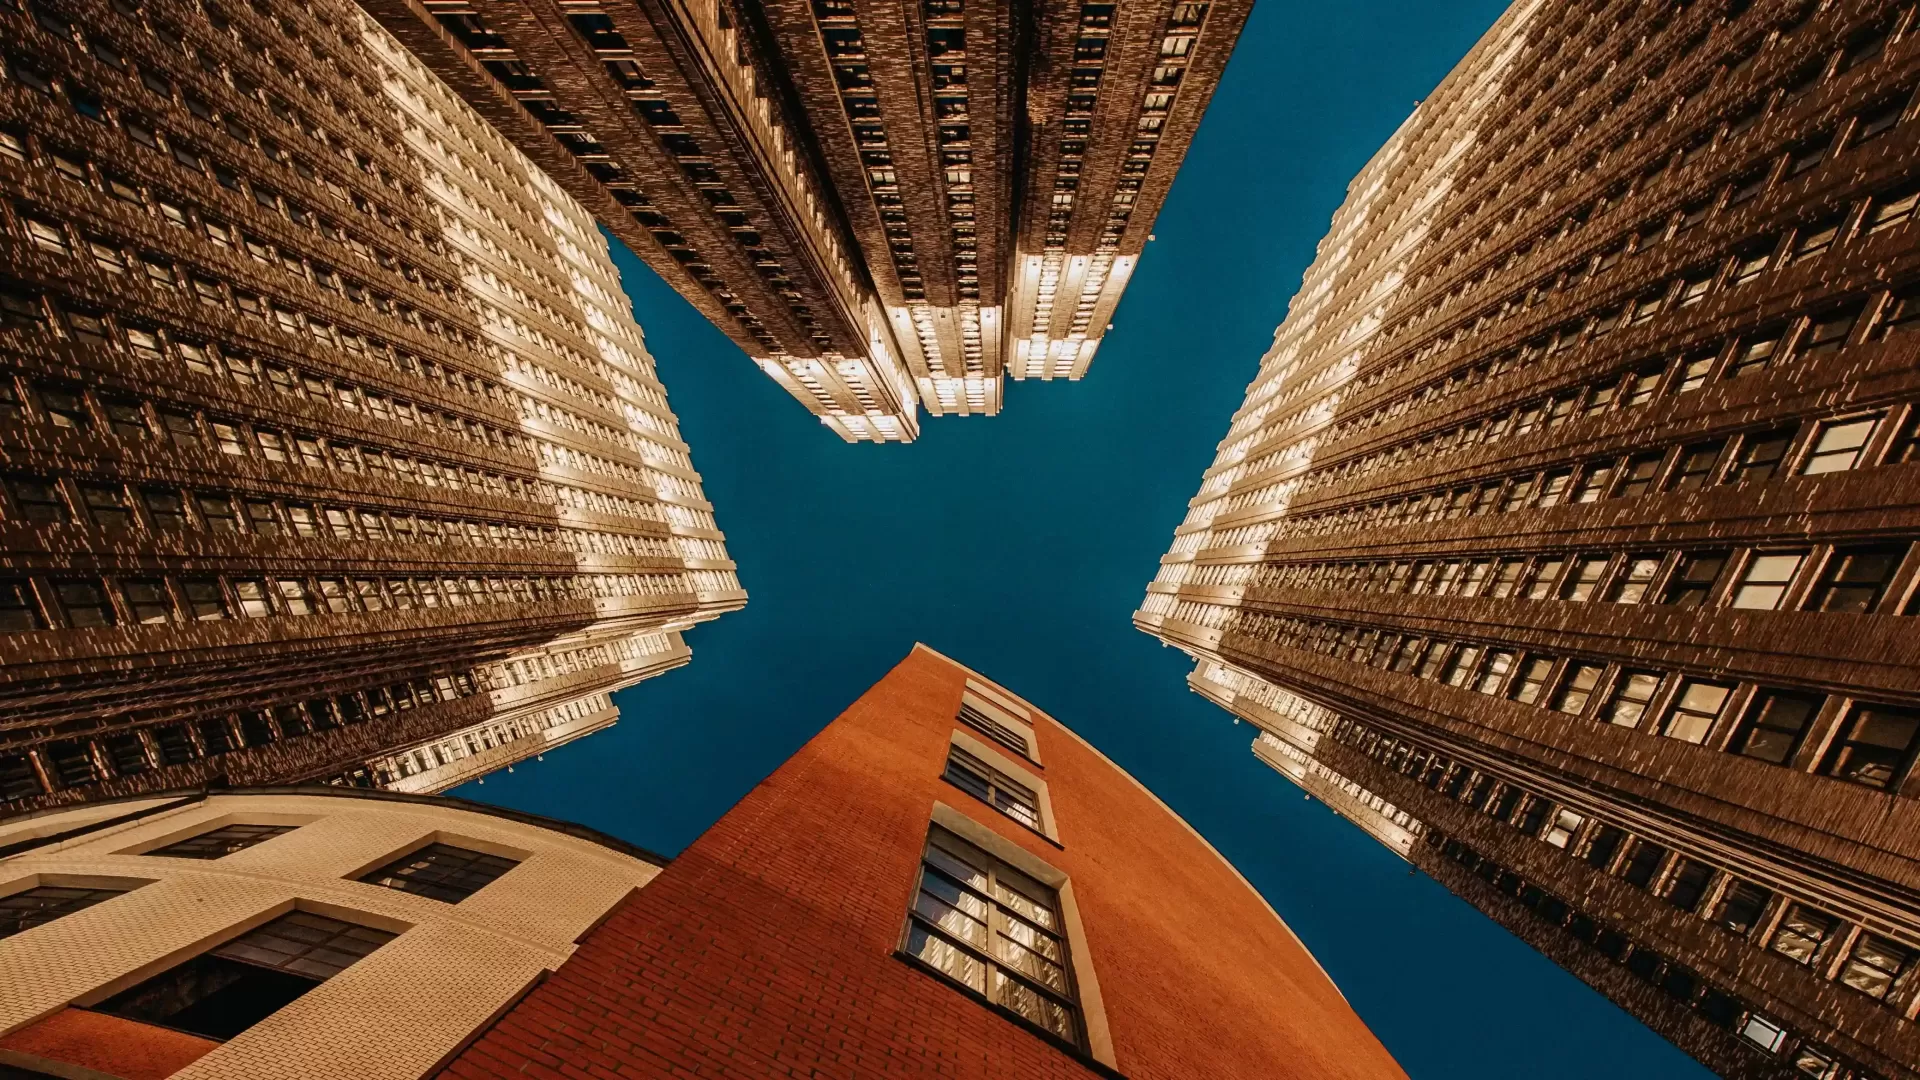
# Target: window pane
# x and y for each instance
(1876, 746)
(1765, 583)
(1695, 710)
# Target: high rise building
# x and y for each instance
(1564, 539)
(944, 881)
(884, 204)
(330, 447)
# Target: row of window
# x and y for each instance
(155, 508)
(1871, 963)
(1842, 443)
(78, 763)
(1873, 744)
(87, 602)
(1718, 1007)
(1843, 578)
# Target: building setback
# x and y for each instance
(330, 448)
(1564, 539)
(885, 205)
(945, 880)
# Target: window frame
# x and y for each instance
(1011, 769)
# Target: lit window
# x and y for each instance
(1630, 697)
(1802, 931)
(1767, 579)
(442, 872)
(1576, 688)
(44, 903)
(1565, 824)
(227, 990)
(993, 787)
(220, 842)
(1876, 746)
(1877, 965)
(1695, 710)
(1837, 445)
(995, 931)
(1532, 678)
(1636, 577)
(1585, 577)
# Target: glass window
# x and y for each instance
(65, 406)
(995, 931)
(1431, 660)
(1636, 477)
(166, 509)
(216, 509)
(1694, 578)
(85, 603)
(148, 600)
(1695, 709)
(1838, 444)
(1829, 331)
(1635, 578)
(1755, 351)
(1855, 579)
(38, 500)
(221, 842)
(234, 986)
(1697, 465)
(442, 872)
(1576, 688)
(1767, 579)
(107, 505)
(45, 903)
(1532, 679)
(993, 787)
(1494, 675)
(336, 595)
(1565, 825)
(1877, 965)
(1740, 906)
(252, 594)
(1603, 846)
(1801, 932)
(1761, 455)
(1584, 580)
(1540, 582)
(1006, 736)
(1594, 481)
(1688, 885)
(127, 417)
(1506, 578)
(19, 609)
(1774, 725)
(1553, 487)
(1643, 863)
(1631, 693)
(1460, 669)
(1875, 747)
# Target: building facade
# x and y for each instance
(886, 205)
(331, 449)
(312, 932)
(945, 880)
(1564, 538)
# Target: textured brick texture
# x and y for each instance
(766, 948)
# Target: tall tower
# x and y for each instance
(1564, 539)
(885, 204)
(329, 436)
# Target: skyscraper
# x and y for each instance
(885, 205)
(1564, 539)
(331, 449)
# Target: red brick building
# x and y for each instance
(945, 881)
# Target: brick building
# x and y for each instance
(328, 444)
(944, 881)
(886, 205)
(1564, 539)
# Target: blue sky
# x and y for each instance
(1021, 544)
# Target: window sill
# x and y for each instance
(1077, 1052)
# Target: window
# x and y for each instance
(1531, 680)
(1506, 577)
(107, 505)
(1566, 823)
(206, 601)
(1829, 331)
(148, 601)
(1604, 845)
(1877, 965)
(993, 787)
(1540, 582)
(1495, 673)
(995, 931)
(38, 500)
(995, 730)
(1767, 579)
(44, 903)
(1801, 933)
(1636, 478)
(1693, 579)
(1838, 444)
(1761, 455)
(85, 603)
(19, 610)
(1855, 578)
(252, 594)
(1643, 863)
(1585, 578)
(1740, 906)
(166, 510)
(1755, 351)
(1774, 725)
(1876, 746)
(1688, 885)
(1576, 688)
(1635, 578)
(1631, 693)
(225, 991)
(220, 842)
(1460, 669)
(1696, 466)
(442, 872)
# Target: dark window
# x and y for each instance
(1693, 579)
(1643, 863)
(1855, 578)
(45, 903)
(1774, 725)
(220, 842)
(993, 787)
(1689, 884)
(206, 601)
(166, 509)
(128, 754)
(442, 872)
(85, 603)
(995, 730)
(216, 736)
(1876, 746)
(38, 500)
(221, 993)
(1761, 454)
(1636, 478)
(994, 931)
(1829, 330)
(71, 762)
(1740, 906)
(148, 600)
(176, 746)
(1696, 467)
(19, 610)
